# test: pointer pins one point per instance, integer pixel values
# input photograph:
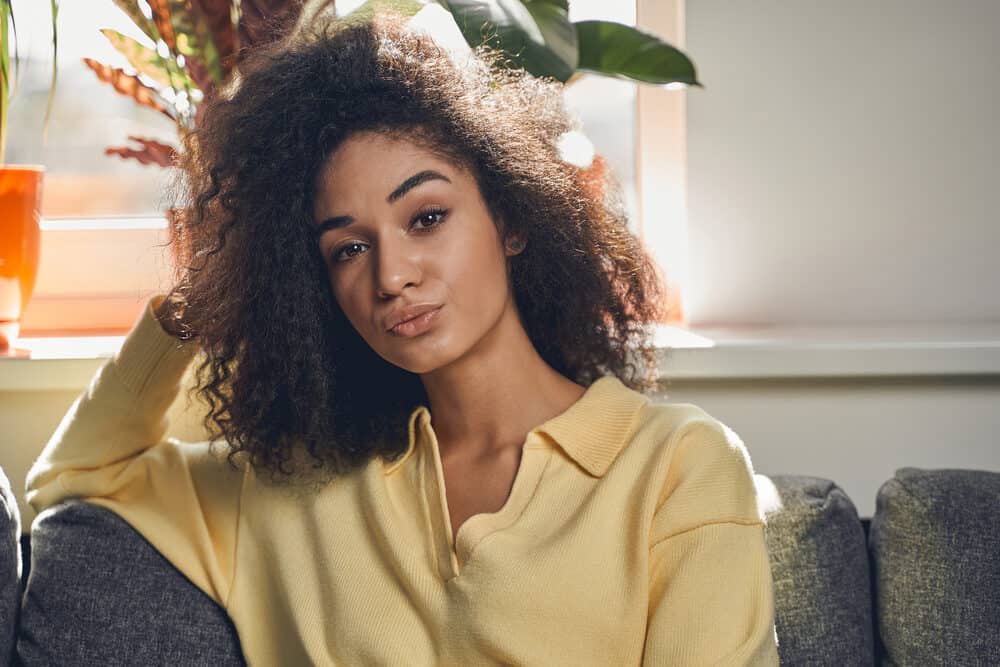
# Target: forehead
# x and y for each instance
(372, 157)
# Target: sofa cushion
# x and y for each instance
(822, 590)
(99, 594)
(935, 542)
(10, 568)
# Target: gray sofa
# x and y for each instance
(917, 584)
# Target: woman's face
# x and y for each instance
(399, 227)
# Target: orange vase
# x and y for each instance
(20, 239)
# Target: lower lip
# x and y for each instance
(417, 325)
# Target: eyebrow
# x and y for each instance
(339, 221)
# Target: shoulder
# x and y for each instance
(702, 468)
(687, 430)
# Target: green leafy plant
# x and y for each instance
(8, 39)
(199, 45)
(540, 38)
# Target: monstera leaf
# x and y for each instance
(537, 36)
(618, 50)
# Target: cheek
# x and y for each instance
(480, 275)
(349, 304)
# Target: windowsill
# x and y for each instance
(699, 353)
(863, 350)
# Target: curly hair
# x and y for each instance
(283, 371)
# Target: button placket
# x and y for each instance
(454, 551)
(434, 492)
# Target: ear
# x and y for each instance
(513, 245)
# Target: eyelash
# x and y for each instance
(434, 210)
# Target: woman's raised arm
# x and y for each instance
(110, 449)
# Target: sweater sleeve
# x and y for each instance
(110, 449)
(711, 596)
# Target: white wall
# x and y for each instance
(842, 161)
(842, 168)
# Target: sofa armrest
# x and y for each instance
(99, 594)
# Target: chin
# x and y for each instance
(418, 366)
(417, 359)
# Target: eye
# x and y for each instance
(435, 213)
(339, 254)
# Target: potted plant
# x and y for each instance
(20, 194)
(200, 43)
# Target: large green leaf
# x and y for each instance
(561, 4)
(621, 51)
(560, 40)
(536, 36)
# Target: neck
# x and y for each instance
(486, 402)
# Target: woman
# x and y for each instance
(430, 442)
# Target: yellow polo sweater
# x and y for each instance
(632, 534)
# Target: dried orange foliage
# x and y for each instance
(151, 152)
(129, 85)
(161, 16)
(217, 15)
(212, 42)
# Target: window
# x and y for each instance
(87, 115)
(606, 106)
(102, 215)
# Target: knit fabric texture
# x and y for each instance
(819, 562)
(632, 534)
(10, 568)
(935, 540)
(100, 594)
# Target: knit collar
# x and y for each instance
(592, 431)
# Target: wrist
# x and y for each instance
(168, 310)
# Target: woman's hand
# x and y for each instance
(170, 313)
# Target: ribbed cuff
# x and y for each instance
(147, 347)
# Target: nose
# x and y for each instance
(396, 266)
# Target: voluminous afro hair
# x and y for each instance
(286, 376)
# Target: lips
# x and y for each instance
(408, 313)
